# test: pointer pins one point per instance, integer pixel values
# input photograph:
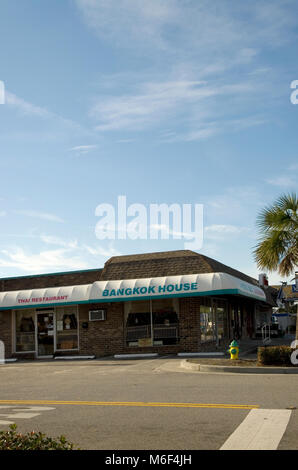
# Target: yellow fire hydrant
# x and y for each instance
(234, 350)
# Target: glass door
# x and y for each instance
(220, 314)
(45, 334)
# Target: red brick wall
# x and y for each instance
(189, 323)
(105, 338)
(6, 331)
(50, 280)
(102, 338)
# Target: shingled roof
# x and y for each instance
(166, 263)
(172, 263)
(159, 264)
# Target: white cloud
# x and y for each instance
(45, 261)
(234, 198)
(209, 249)
(52, 240)
(67, 255)
(193, 40)
(82, 149)
(283, 181)
(222, 231)
(190, 27)
(40, 215)
(101, 251)
(25, 107)
(167, 231)
(293, 167)
(158, 101)
(130, 19)
(3, 213)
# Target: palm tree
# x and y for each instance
(277, 249)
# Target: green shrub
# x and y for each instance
(13, 440)
(275, 355)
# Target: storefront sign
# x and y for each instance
(43, 299)
(170, 288)
(133, 289)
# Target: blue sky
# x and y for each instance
(167, 101)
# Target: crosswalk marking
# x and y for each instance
(260, 430)
(13, 412)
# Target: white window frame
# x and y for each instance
(37, 311)
(78, 333)
(15, 332)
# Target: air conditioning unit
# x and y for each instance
(97, 315)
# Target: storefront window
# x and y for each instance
(25, 331)
(66, 328)
(138, 323)
(236, 321)
(221, 319)
(142, 315)
(165, 321)
(207, 323)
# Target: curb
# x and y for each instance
(238, 370)
(135, 356)
(201, 354)
(73, 358)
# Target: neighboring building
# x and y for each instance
(289, 293)
(286, 314)
(166, 302)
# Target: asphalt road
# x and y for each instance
(142, 404)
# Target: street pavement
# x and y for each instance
(149, 404)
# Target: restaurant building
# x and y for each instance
(165, 302)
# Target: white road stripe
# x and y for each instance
(20, 412)
(19, 415)
(261, 430)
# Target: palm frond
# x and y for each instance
(277, 248)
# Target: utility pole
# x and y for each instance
(296, 289)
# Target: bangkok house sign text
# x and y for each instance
(139, 291)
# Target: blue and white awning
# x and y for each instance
(133, 289)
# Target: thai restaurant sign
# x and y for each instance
(44, 297)
(40, 300)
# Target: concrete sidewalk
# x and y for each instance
(238, 370)
(250, 347)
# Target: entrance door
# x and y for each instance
(220, 316)
(45, 334)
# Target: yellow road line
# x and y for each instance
(130, 403)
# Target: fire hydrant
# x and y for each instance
(234, 350)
